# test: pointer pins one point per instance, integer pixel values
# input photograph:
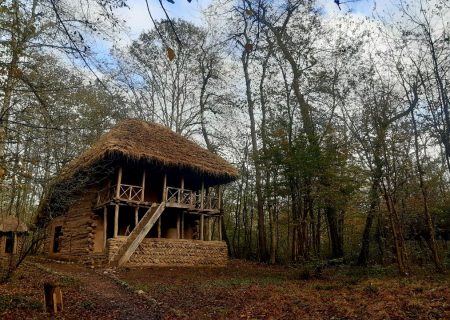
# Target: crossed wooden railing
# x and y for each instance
(183, 197)
(192, 199)
(126, 192)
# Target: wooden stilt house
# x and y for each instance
(141, 195)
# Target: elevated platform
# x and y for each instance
(196, 202)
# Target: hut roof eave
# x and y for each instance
(139, 140)
(12, 224)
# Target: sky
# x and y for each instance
(138, 20)
(137, 17)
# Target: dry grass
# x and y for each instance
(140, 140)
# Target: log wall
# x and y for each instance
(79, 226)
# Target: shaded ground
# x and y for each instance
(251, 291)
(242, 290)
(87, 294)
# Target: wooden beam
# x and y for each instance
(182, 225)
(159, 227)
(138, 235)
(109, 193)
(105, 226)
(116, 221)
(202, 225)
(136, 216)
(181, 189)
(220, 228)
(209, 229)
(202, 194)
(119, 182)
(164, 188)
(178, 226)
(143, 187)
(219, 190)
(14, 251)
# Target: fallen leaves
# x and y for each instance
(242, 290)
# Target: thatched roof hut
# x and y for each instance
(136, 141)
(12, 224)
(144, 141)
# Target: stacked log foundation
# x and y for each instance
(174, 252)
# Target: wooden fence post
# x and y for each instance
(52, 298)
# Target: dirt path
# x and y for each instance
(99, 295)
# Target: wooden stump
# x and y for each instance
(52, 298)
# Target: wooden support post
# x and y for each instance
(219, 190)
(119, 182)
(164, 188)
(52, 298)
(14, 251)
(105, 226)
(182, 225)
(143, 187)
(178, 226)
(159, 227)
(202, 225)
(209, 228)
(202, 195)
(109, 194)
(220, 228)
(136, 216)
(116, 221)
(180, 194)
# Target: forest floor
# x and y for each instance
(241, 290)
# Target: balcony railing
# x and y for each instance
(129, 192)
(105, 195)
(181, 197)
(126, 192)
(192, 199)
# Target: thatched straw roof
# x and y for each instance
(139, 140)
(12, 224)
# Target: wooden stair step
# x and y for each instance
(138, 234)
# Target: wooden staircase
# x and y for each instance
(138, 234)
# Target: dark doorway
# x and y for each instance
(9, 245)
(57, 239)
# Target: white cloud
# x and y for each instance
(137, 18)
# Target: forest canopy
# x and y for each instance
(338, 123)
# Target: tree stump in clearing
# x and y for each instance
(52, 298)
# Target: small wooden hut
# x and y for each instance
(12, 231)
(141, 195)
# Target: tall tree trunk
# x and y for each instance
(426, 211)
(397, 234)
(363, 257)
(262, 244)
(337, 249)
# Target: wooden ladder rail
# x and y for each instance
(138, 234)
